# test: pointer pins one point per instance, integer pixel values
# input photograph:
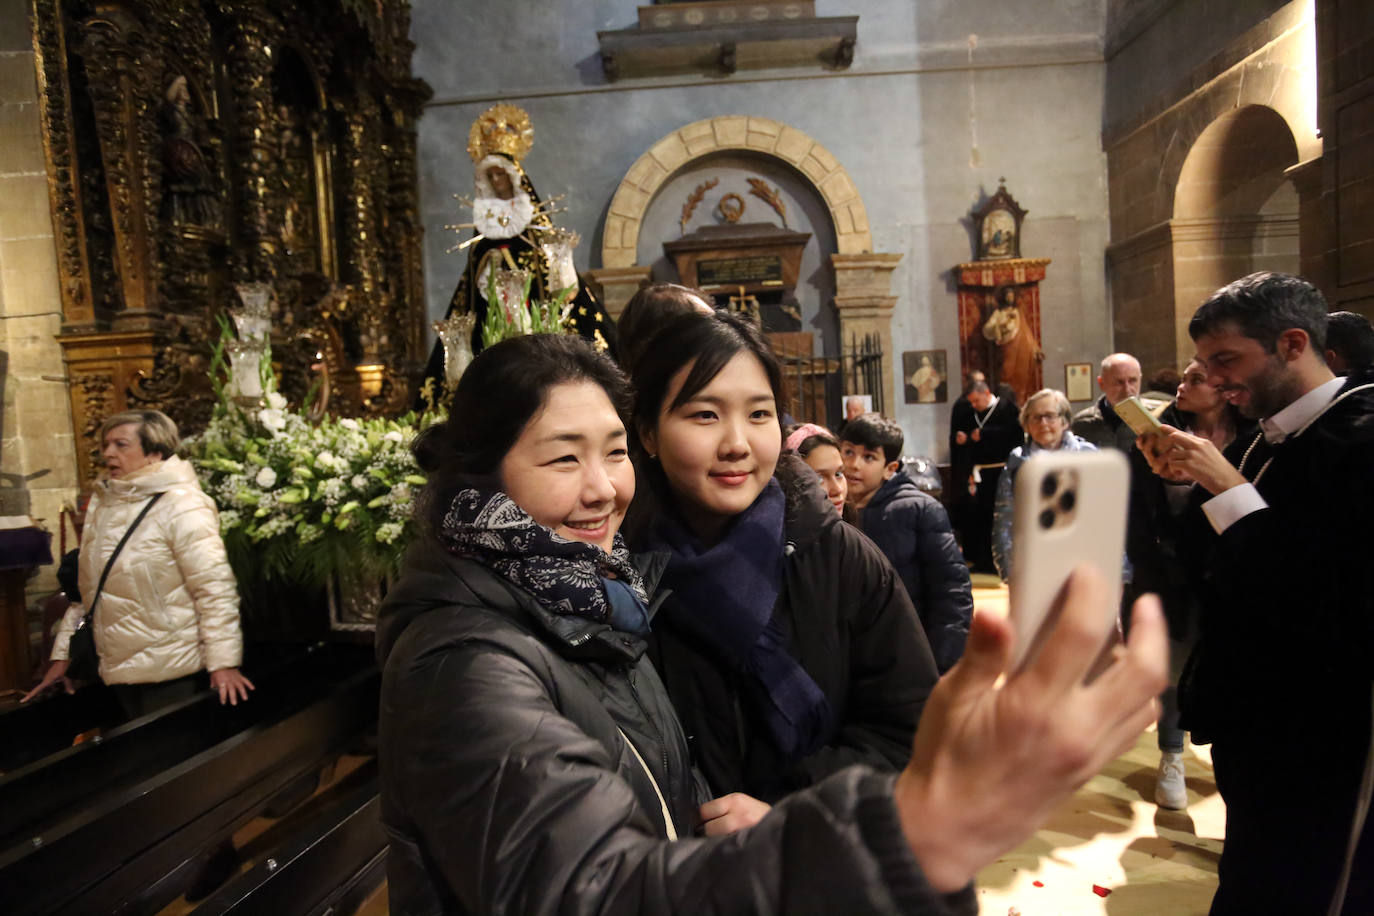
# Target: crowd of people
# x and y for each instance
(660, 649)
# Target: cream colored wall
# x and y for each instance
(37, 463)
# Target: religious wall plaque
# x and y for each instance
(760, 270)
(757, 257)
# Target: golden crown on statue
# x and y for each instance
(504, 129)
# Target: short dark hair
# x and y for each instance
(647, 311)
(875, 431)
(500, 392)
(1351, 336)
(1262, 306)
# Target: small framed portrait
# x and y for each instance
(999, 226)
(925, 377)
(857, 405)
(1078, 381)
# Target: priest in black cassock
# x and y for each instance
(984, 428)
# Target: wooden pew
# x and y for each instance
(133, 846)
(330, 863)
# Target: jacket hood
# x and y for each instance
(899, 484)
(157, 477)
(808, 511)
(432, 578)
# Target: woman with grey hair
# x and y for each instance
(153, 575)
(1045, 417)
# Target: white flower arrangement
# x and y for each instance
(303, 501)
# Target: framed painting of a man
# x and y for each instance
(926, 376)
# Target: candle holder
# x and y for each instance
(455, 335)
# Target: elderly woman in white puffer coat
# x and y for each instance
(169, 608)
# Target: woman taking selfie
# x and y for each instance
(530, 760)
(788, 644)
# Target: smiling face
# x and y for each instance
(1259, 383)
(123, 451)
(569, 468)
(1195, 394)
(825, 461)
(718, 449)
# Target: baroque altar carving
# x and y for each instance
(193, 147)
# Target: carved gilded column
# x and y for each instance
(249, 60)
(64, 182)
(864, 302)
(361, 239)
(119, 70)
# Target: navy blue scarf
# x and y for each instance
(726, 595)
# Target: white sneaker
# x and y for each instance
(1170, 790)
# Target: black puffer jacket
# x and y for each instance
(848, 620)
(912, 529)
(508, 786)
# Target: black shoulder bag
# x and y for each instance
(82, 662)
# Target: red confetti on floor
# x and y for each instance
(1038, 883)
(1101, 891)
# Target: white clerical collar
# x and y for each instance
(1298, 414)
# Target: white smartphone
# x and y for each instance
(1070, 509)
(1137, 416)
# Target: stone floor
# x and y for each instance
(1111, 834)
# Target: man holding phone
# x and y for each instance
(1287, 634)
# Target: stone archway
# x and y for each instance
(620, 240)
(863, 278)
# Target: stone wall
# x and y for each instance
(943, 98)
(37, 461)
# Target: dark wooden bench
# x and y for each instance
(132, 844)
(331, 863)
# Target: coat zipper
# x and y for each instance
(662, 745)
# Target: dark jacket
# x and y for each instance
(912, 530)
(848, 620)
(508, 785)
(1287, 632)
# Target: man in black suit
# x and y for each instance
(1286, 650)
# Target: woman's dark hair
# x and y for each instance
(647, 311)
(502, 390)
(816, 440)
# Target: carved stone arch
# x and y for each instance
(620, 239)
(863, 278)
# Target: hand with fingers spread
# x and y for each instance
(991, 762)
(729, 813)
(230, 685)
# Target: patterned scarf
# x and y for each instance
(568, 577)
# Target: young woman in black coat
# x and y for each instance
(789, 646)
(531, 763)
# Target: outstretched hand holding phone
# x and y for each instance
(992, 761)
(1179, 456)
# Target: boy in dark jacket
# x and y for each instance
(912, 529)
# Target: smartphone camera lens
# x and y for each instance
(1049, 485)
(1067, 501)
(1047, 519)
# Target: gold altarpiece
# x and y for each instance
(194, 146)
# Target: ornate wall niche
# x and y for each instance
(863, 298)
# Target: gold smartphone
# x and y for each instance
(1138, 417)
